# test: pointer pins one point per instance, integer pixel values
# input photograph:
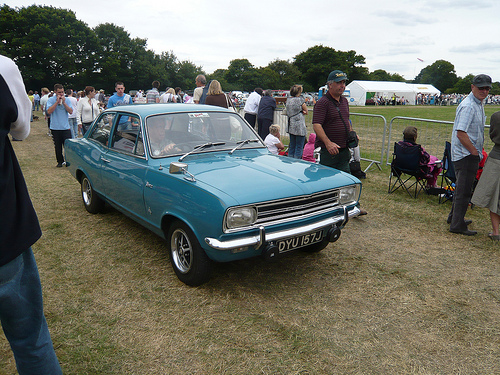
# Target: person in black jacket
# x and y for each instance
(21, 305)
(265, 113)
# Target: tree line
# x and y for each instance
(50, 45)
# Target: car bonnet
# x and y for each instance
(264, 177)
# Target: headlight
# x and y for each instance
(349, 194)
(240, 217)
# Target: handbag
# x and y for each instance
(351, 136)
(230, 105)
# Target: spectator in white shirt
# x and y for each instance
(87, 109)
(252, 106)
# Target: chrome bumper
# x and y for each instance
(258, 240)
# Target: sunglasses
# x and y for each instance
(484, 88)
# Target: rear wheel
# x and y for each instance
(93, 203)
(189, 261)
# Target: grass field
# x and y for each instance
(396, 294)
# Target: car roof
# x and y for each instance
(154, 108)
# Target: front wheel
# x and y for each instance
(316, 247)
(190, 263)
(93, 203)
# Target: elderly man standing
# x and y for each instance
(201, 81)
(467, 142)
(330, 119)
(331, 124)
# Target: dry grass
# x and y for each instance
(397, 294)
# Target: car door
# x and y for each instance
(98, 140)
(124, 165)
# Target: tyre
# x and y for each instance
(316, 247)
(189, 261)
(93, 203)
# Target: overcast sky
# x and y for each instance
(391, 34)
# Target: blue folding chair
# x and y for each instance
(448, 177)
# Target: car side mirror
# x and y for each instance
(181, 168)
(177, 167)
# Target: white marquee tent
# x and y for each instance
(424, 88)
(360, 91)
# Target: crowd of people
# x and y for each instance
(69, 114)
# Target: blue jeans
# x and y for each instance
(73, 127)
(296, 146)
(21, 314)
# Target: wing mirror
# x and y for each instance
(181, 168)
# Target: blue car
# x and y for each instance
(200, 177)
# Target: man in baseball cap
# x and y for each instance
(331, 125)
(482, 80)
(467, 141)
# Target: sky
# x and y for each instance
(393, 35)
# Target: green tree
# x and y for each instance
(242, 75)
(440, 74)
(220, 75)
(382, 75)
(317, 62)
(120, 58)
(48, 44)
(185, 76)
(462, 86)
(288, 74)
(495, 88)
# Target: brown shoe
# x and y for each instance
(362, 212)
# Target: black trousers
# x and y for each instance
(465, 172)
(59, 136)
(251, 119)
(264, 125)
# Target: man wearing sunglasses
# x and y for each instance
(466, 151)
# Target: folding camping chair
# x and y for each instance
(404, 167)
(448, 178)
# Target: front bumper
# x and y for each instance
(262, 237)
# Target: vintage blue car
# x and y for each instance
(200, 177)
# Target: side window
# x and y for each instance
(102, 128)
(139, 147)
(127, 135)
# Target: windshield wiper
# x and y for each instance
(242, 143)
(201, 147)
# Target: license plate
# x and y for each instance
(299, 241)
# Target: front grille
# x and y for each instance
(290, 209)
(303, 206)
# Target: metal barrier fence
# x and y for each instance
(377, 138)
(371, 130)
(432, 135)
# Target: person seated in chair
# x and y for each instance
(429, 164)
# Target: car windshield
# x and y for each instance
(179, 133)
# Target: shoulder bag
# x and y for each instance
(230, 105)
